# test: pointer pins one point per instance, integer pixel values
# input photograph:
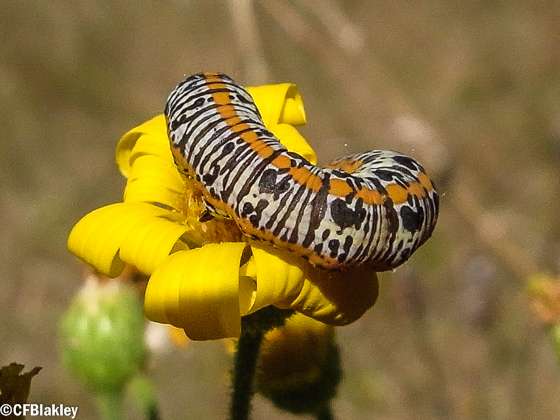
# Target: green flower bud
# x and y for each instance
(102, 335)
(299, 366)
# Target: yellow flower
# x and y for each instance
(205, 276)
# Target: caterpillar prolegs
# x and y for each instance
(373, 208)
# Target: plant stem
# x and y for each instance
(153, 413)
(109, 405)
(253, 328)
(244, 372)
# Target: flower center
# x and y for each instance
(215, 230)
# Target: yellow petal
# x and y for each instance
(205, 291)
(279, 103)
(337, 297)
(149, 138)
(198, 290)
(149, 244)
(136, 233)
(288, 281)
(281, 107)
(294, 141)
(153, 179)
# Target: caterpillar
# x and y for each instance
(373, 208)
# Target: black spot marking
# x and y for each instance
(228, 148)
(267, 184)
(281, 187)
(261, 205)
(334, 244)
(411, 220)
(344, 216)
(247, 209)
(325, 234)
(209, 178)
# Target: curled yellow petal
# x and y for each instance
(149, 244)
(153, 179)
(198, 290)
(207, 290)
(288, 281)
(135, 233)
(290, 137)
(281, 107)
(279, 103)
(149, 138)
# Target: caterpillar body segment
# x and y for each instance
(373, 208)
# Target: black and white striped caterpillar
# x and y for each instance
(373, 208)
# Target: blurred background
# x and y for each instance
(472, 89)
